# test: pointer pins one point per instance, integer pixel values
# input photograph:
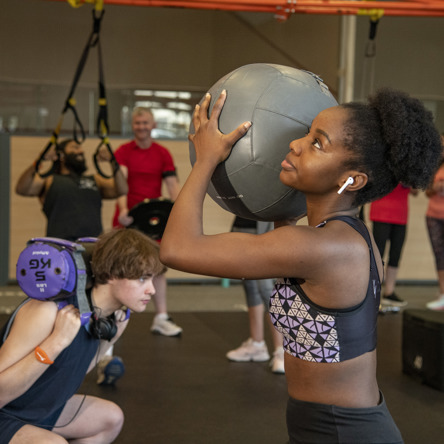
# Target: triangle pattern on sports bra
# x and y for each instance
(308, 333)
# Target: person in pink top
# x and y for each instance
(435, 226)
(389, 216)
(147, 165)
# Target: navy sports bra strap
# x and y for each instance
(361, 228)
(356, 223)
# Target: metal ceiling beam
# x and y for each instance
(283, 9)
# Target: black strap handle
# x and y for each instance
(70, 103)
(51, 170)
(371, 44)
(113, 161)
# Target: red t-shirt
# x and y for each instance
(393, 208)
(146, 169)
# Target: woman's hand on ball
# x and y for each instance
(209, 143)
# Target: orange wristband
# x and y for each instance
(42, 357)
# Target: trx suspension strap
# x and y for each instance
(70, 102)
(102, 119)
(368, 71)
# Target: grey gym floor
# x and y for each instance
(184, 391)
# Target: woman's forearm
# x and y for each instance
(185, 223)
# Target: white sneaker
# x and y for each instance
(249, 351)
(437, 305)
(277, 362)
(164, 325)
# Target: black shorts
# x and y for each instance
(312, 423)
(10, 425)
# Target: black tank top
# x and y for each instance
(319, 334)
(73, 207)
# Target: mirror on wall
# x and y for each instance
(35, 109)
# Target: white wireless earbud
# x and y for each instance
(348, 182)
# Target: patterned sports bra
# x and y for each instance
(318, 334)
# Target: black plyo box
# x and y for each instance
(423, 346)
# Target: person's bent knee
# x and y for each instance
(114, 419)
(116, 415)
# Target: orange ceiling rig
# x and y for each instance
(284, 8)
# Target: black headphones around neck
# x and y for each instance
(103, 328)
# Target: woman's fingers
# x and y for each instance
(239, 132)
(206, 128)
(203, 109)
(218, 105)
(200, 115)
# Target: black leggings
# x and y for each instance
(394, 233)
(435, 228)
(312, 423)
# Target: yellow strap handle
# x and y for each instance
(98, 4)
(375, 14)
(103, 130)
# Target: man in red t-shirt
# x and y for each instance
(147, 165)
